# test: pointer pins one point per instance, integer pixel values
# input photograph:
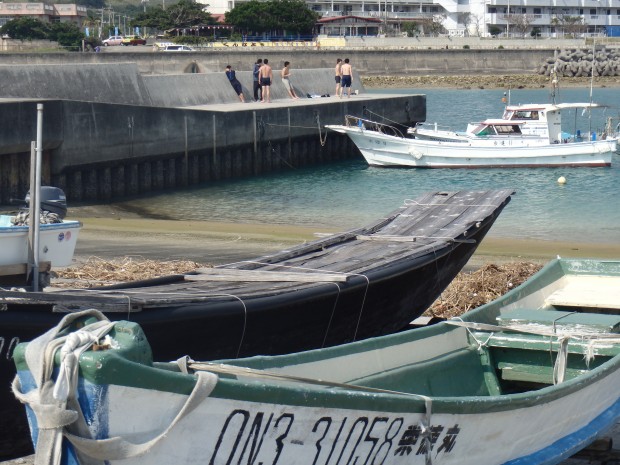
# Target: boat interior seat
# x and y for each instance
(459, 373)
(527, 357)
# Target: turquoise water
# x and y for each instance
(350, 194)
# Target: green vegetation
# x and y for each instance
(411, 29)
(292, 16)
(67, 35)
(185, 13)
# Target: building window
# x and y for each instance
(538, 11)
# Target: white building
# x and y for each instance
(515, 18)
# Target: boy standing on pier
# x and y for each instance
(265, 76)
(347, 77)
(338, 72)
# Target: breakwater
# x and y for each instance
(583, 63)
(394, 61)
(174, 131)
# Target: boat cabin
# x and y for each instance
(498, 128)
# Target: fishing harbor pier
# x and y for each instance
(110, 131)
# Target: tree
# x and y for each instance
(570, 25)
(292, 16)
(66, 34)
(25, 28)
(185, 13)
(478, 22)
(153, 17)
(465, 19)
(410, 28)
(520, 22)
(250, 16)
(433, 25)
(189, 13)
(494, 31)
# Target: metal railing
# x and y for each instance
(354, 121)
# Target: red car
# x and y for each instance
(133, 40)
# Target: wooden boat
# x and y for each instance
(492, 144)
(520, 380)
(362, 283)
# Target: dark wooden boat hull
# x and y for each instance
(377, 302)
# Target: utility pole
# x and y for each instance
(508, 21)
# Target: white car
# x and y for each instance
(113, 40)
(177, 48)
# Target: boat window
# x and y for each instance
(533, 115)
(508, 129)
(484, 130)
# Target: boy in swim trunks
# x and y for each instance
(338, 75)
(265, 76)
(285, 73)
(347, 77)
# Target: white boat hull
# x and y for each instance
(56, 243)
(385, 150)
(224, 431)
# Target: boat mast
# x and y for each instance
(554, 84)
(35, 199)
(591, 85)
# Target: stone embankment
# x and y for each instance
(511, 81)
(580, 62)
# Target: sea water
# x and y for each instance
(349, 194)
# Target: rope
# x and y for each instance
(55, 404)
(322, 139)
(370, 112)
(593, 337)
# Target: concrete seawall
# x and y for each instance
(174, 131)
(367, 62)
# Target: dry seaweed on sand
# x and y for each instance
(97, 271)
(472, 289)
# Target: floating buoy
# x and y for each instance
(561, 180)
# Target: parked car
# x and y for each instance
(133, 40)
(113, 40)
(178, 48)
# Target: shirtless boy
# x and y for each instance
(265, 77)
(338, 75)
(347, 77)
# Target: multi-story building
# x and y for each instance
(45, 12)
(515, 18)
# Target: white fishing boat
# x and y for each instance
(533, 119)
(57, 236)
(530, 378)
(511, 141)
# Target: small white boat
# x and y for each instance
(512, 141)
(57, 236)
(56, 242)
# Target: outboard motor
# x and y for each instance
(53, 199)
